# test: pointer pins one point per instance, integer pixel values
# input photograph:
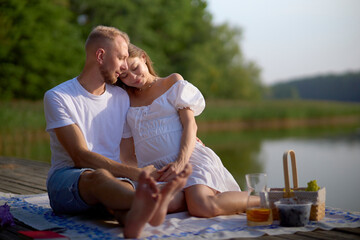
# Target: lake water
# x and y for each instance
(331, 156)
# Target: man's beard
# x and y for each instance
(108, 78)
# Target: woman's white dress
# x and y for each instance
(157, 131)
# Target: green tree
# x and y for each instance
(180, 37)
(42, 44)
(40, 47)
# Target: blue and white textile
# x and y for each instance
(34, 210)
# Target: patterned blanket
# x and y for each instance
(35, 211)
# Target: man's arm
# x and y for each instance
(72, 139)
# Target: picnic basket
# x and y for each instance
(317, 198)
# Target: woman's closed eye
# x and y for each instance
(134, 68)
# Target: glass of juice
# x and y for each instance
(258, 211)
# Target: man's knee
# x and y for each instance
(95, 177)
(89, 183)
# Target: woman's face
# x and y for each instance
(137, 73)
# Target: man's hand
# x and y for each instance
(152, 170)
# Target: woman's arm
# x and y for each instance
(188, 140)
(127, 152)
(128, 157)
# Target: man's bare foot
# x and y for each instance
(167, 193)
(145, 203)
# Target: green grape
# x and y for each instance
(312, 186)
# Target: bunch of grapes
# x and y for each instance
(312, 186)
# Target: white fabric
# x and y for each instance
(35, 211)
(157, 131)
(100, 118)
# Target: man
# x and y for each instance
(85, 119)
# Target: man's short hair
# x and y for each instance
(103, 33)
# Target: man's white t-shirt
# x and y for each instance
(100, 118)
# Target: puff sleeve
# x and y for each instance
(185, 95)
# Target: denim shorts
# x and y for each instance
(63, 190)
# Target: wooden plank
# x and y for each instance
(294, 236)
(266, 237)
(355, 231)
(24, 180)
(14, 191)
(24, 172)
(24, 162)
(34, 171)
(339, 235)
(39, 171)
(322, 236)
(14, 171)
(20, 189)
(21, 176)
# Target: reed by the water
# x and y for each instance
(23, 135)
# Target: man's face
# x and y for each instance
(115, 60)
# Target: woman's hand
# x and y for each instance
(170, 171)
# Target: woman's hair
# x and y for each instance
(135, 51)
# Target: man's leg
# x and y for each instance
(100, 186)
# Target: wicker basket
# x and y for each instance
(317, 198)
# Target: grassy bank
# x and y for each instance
(230, 110)
(22, 123)
(22, 130)
(228, 115)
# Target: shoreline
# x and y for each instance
(273, 124)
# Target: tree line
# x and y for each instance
(335, 87)
(42, 44)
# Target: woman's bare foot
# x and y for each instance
(143, 207)
(150, 204)
(168, 192)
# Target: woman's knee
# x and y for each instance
(204, 207)
(201, 201)
(202, 210)
(178, 203)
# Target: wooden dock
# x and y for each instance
(22, 176)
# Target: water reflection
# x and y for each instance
(331, 156)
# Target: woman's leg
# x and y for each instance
(178, 203)
(203, 201)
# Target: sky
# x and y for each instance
(289, 39)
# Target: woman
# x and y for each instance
(162, 123)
